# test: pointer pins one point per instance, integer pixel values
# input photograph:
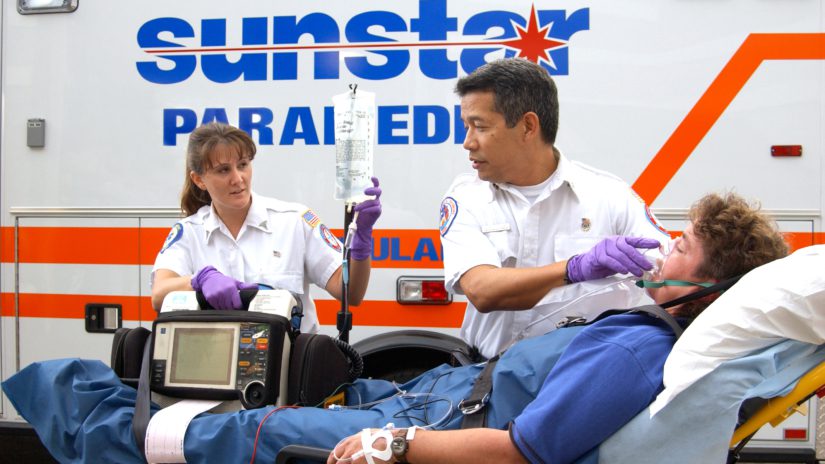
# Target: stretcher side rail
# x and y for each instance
(779, 408)
(291, 453)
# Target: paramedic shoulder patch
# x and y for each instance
(329, 237)
(311, 218)
(649, 215)
(449, 209)
(174, 235)
(652, 219)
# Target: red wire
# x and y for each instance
(258, 433)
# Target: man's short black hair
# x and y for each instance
(519, 86)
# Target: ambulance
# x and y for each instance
(98, 98)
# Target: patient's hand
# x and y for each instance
(350, 450)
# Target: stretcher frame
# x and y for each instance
(777, 409)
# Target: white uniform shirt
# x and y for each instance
(484, 223)
(283, 245)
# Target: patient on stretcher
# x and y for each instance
(611, 370)
(756, 341)
(554, 398)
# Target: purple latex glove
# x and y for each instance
(219, 290)
(368, 212)
(614, 255)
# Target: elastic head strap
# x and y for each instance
(671, 283)
(715, 288)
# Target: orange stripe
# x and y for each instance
(395, 248)
(7, 244)
(369, 313)
(407, 248)
(7, 304)
(399, 248)
(71, 306)
(404, 248)
(755, 49)
(390, 313)
(78, 245)
(151, 241)
(798, 240)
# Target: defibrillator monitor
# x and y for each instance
(220, 355)
(204, 355)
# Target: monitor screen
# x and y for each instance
(202, 356)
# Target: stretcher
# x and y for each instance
(82, 411)
(679, 440)
(776, 410)
(764, 338)
(758, 340)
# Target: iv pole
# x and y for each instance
(344, 319)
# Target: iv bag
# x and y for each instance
(354, 144)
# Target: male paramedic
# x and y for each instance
(529, 227)
(611, 370)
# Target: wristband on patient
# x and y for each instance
(368, 439)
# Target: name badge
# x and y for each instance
(495, 228)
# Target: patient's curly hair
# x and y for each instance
(736, 237)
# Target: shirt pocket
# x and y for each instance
(568, 245)
(504, 239)
(287, 281)
(282, 271)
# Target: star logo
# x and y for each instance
(533, 42)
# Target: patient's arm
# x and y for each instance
(468, 446)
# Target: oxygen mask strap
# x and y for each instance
(701, 293)
(671, 283)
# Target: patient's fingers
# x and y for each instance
(349, 451)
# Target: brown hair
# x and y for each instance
(201, 143)
(736, 238)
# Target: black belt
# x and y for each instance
(474, 407)
(140, 420)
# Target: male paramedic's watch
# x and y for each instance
(399, 447)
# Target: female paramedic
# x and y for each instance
(560, 394)
(233, 238)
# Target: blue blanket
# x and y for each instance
(83, 412)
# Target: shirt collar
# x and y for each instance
(565, 173)
(256, 217)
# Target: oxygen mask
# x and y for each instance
(653, 278)
(657, 258)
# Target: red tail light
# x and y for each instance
(422, 290)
